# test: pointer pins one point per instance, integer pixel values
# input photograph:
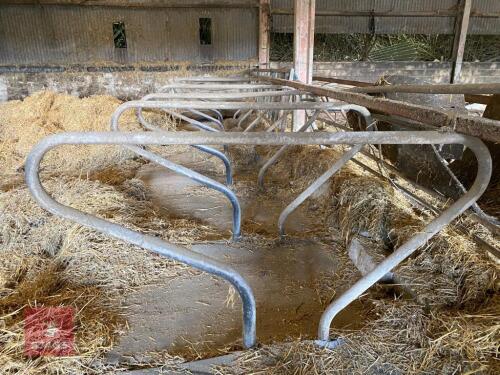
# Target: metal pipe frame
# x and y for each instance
(281, 151)
(199, 125)
(198, 177)
(175, 95)
(151, 243)
(485, 129)
(215, 80)
(217, 121)
(203, 105)
(409, 247)
(262, 138)
(363, 112)
(222, 95)
(475, 207)
(225, 86)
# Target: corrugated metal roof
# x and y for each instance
(391, 25)
(62, 34)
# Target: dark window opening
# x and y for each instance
(119, 37)
(205, 31)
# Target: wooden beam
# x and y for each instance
(264, 32)
(303, 48)
(340, 81)
(304, 39)
(480, 99)
(360, 13)
(438, 88)
(461, 28)
(485, 129)
(143, 3)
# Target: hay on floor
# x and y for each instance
(41, 282)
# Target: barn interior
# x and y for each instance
(249, 187)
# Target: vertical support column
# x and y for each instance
(461, 27)
(303, 48)
(264, 30)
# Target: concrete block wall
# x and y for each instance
(435, 72)
(126, 83)
(476, 72)
(132, 82)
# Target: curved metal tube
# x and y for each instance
(211, 183)
(315, 186)
(281, 151)
(221, 156)
(164, 96)
(210, 118)
(475, 207)
(198, 178)
(262, 138)
(329, 173)
(151, 243)
(208, 150)
(244, 117)
(221, 95)
(200, 125)
(404, 251)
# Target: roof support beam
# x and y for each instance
(303, 48)
(144, 3)
(264, 32)
(461, 27)
(488, 130)
(303, 44)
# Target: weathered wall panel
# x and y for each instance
(391, 25)
(74, 34)
(437, 72)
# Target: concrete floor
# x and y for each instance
(198, 316)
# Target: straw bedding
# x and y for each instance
(96, 269)
(450, 270)
(43, 282)
(451, 327)
(403, 339)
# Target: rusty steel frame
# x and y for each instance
(455, 88)
(485, 129)
(262, 138)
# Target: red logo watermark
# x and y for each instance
(48, 331)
